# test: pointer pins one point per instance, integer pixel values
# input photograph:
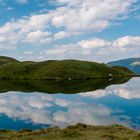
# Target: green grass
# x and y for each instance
(77, 132)
(5, 58)
(58, 70)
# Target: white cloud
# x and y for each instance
(28, 52)
(62, 102)
(97, 49)
(96, 15)
(39, 37)
(69, 18)
(64, 34)
(127, 41)
(25, 31)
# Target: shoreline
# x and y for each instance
(79, 131)
(68, 78)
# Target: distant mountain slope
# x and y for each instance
(131, 63)
(59, 70)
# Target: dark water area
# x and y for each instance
(43, 104)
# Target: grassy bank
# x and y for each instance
(77, 132)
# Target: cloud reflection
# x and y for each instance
(129, 90)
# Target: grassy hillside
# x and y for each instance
(59, 70)
(77, 132)
(5, 60)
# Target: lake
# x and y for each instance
(35, 105)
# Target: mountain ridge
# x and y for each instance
(131, 63)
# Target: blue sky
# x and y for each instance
(95, 30)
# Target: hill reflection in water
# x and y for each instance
(68, 87)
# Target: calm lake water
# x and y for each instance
(26, 106)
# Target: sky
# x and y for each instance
(93, 30)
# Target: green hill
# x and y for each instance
(58, 70)
(5, 60)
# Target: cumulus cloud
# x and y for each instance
(83, 15)
(97, 49)
(64, 34)
(68, 19)
(25, 31)
(39, 37)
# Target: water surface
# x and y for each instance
(95, 103)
